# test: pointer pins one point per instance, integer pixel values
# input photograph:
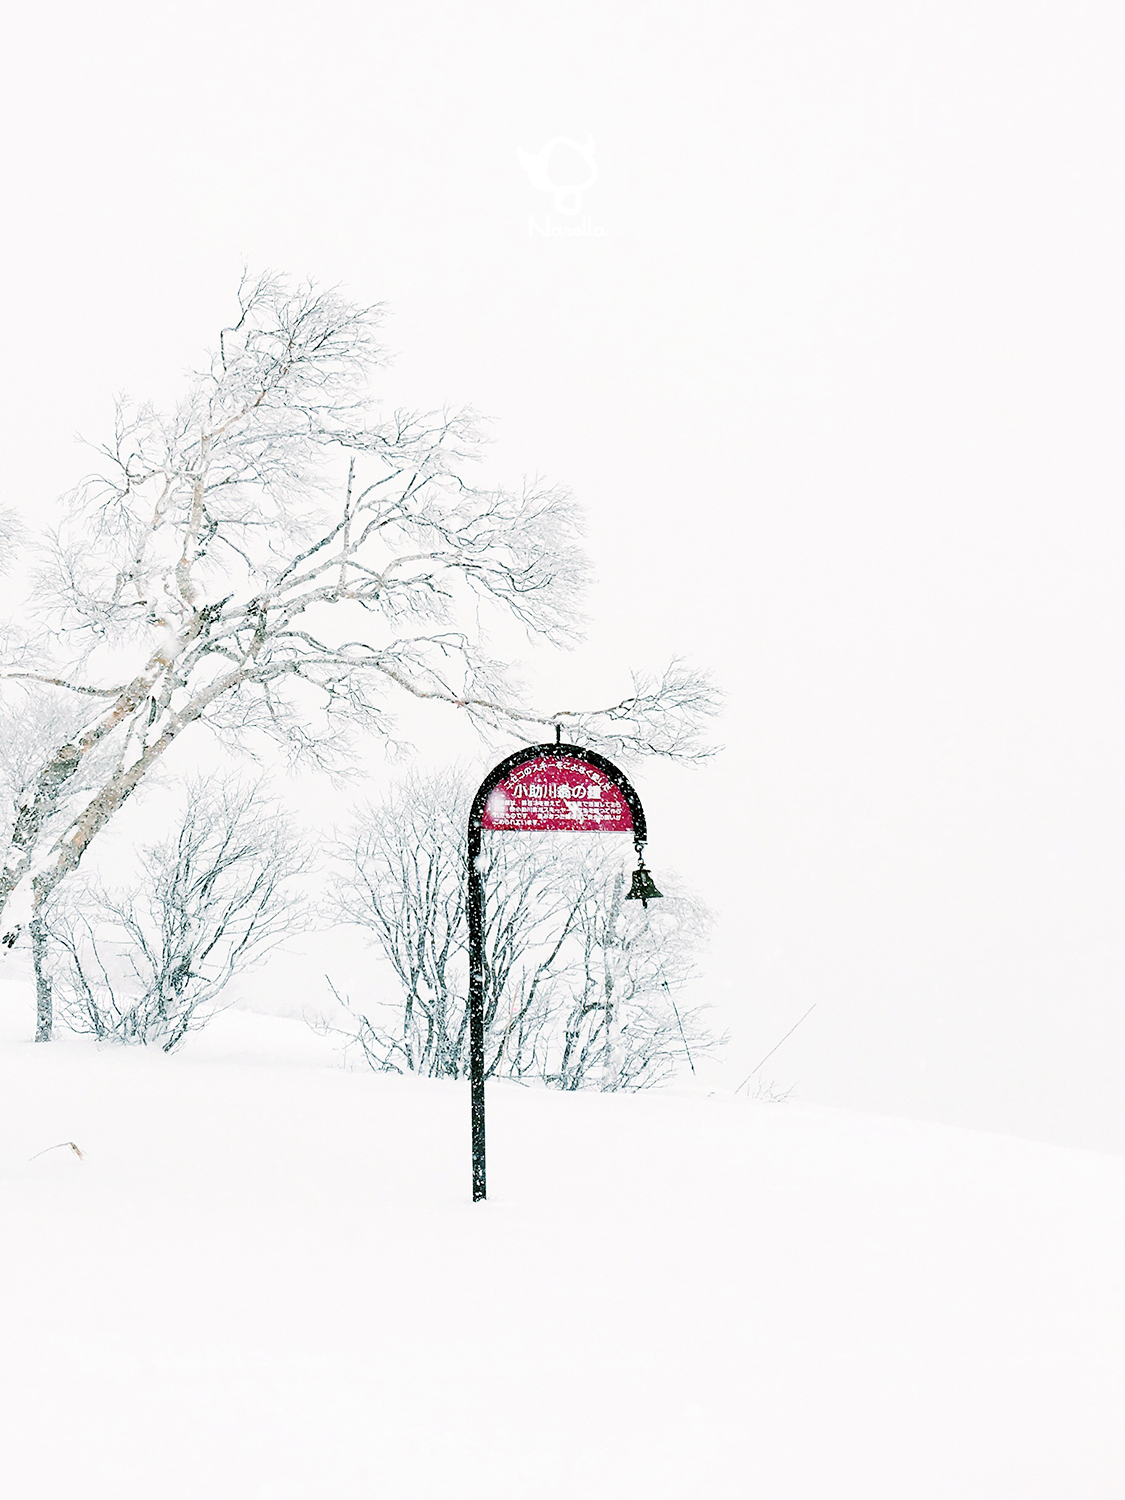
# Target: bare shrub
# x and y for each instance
(148, 963)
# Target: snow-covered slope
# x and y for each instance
(264, 1279)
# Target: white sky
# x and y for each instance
(836, 372)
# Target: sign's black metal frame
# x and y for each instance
(476, 912)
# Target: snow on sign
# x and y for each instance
(551, 795)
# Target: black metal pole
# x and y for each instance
(476, 1007)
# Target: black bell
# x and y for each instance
(643, 888)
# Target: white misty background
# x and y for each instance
(838, 387)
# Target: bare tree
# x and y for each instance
(624, 1028)
(398, 880)
(149, 962)
(271, 559)
(401, 875)
(579, 987)
(34, 720)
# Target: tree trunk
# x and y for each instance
(44, 1009)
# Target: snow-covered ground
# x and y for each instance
(264, 1278)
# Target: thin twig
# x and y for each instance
(679, 1023)
(58, 1146)
(774, 1048)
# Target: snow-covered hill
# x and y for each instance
(264, 1278)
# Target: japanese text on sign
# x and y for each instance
(555, 795)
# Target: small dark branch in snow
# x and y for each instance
(59, 1146)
